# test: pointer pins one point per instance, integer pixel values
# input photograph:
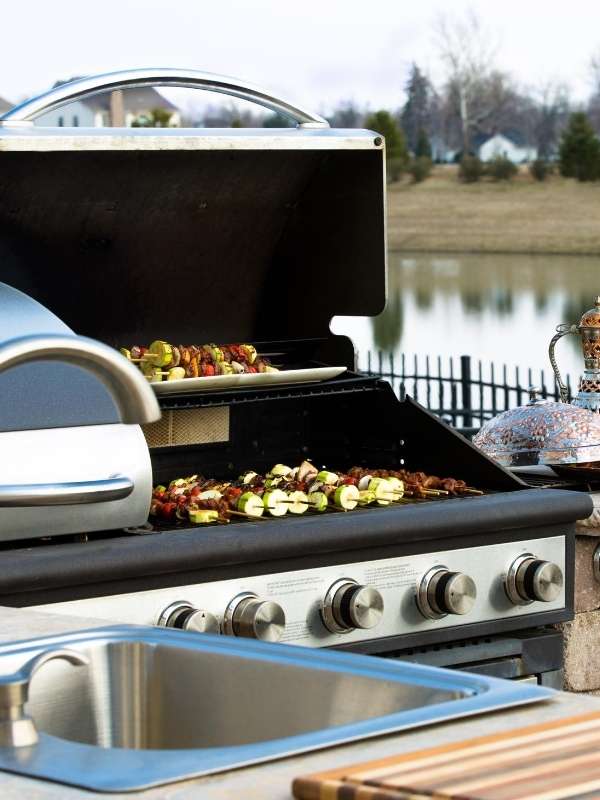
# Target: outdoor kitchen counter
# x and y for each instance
(270, 781)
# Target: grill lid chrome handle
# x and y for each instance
(25, 113)
(130, 391)
(64, 494)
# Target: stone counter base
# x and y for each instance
(582, 635)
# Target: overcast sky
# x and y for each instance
(314, 52)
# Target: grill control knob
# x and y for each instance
(530, 578)
(251, 617)
(441, 592)
(185, 617)
(348, 606)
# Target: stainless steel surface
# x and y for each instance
(348, 606)
(184, 616)
(251, 617)
(127, 79)
(38, 139)
(157, 705)
(458, 595)
(17, 729)
(300, 593)
(64, 494)
(130, 391)
(547, 581)
(544, 584)
(59, 465)
(541, 432)
(365, 608)
(21, 315)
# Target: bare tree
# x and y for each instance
(467, 51)
(594, 101)
(550, 115)
(346, 115)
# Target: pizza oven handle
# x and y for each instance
(64, 494)
(132, 395)
(24, 114)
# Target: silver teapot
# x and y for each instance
(588, 395)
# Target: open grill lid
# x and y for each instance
(129, 235)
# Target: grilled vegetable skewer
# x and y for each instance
(286, 490)
(196, 361)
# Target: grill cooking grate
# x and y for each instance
(159, 526)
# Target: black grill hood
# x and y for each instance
(195, 245)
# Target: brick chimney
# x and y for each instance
(117, 109)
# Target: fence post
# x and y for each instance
(465, 381)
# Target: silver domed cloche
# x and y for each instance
(542, 432)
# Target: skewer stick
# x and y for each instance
(291, 502)
(469, 490)
(242, 514)
(430, 492)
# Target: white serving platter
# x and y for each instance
(244, 380)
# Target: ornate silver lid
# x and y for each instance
(542, 432)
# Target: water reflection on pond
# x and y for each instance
(501, 308)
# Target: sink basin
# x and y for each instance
(157, 705)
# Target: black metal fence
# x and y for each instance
(460, 390)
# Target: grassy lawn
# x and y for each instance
(523, 216)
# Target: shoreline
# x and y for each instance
(559, 216)
(463, 251)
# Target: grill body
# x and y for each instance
(263, 236)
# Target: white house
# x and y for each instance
(116, 109)
(509, 146)
(4, 106)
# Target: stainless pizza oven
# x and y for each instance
(73, 454)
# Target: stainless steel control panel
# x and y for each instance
(309, 598)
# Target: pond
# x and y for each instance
(498, 308)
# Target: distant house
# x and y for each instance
(111, 109)
(4, 106)
(441, 153)
(510, 145)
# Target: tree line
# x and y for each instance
(473, 99)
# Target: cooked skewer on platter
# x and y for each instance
(162, 360)
(296, 490)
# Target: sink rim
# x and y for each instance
(115, 769)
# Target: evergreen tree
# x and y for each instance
(157, 118)
(416, 114)
(423, 147)
(395, 146)
(276, 120)
(580, 150)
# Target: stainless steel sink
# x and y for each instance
(157, 705)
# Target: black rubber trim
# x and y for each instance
(440, 591)
(466, 521)
(345, 605)
(528, 577)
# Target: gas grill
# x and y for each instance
(256, 236)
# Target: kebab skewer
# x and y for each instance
(164, 360)
(294, 490)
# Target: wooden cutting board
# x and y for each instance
(550, 761)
